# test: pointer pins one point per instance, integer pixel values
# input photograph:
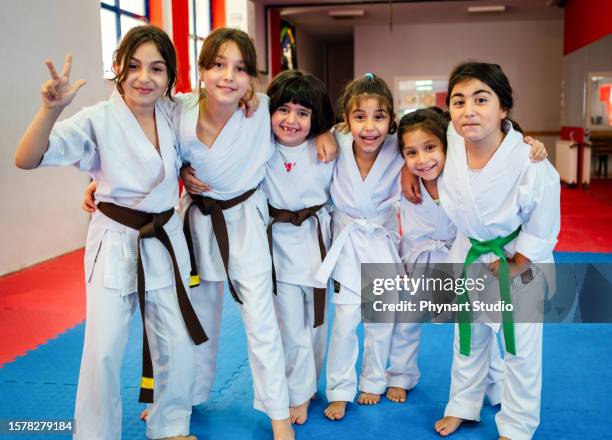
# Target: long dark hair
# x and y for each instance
(132, 41)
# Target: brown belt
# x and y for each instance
(296, 218)
(151, 226)
(214, 208)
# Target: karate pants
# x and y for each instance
(295, 313)
(98, 400)
(264, 344)
(343, 352)
(319, 334)
(520, 395)
(403, 371)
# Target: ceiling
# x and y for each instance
(313, 16)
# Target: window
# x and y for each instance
(199, 28)
(116, 18)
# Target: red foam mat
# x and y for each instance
(586, 219)
(39, 302)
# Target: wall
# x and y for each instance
(530, 53)
(41, 215)
(585, 22)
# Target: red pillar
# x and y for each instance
(218, 13)
(156, 13)
(180, 37)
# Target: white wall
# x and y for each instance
(596, 57)
(530, 53)
(41, 216)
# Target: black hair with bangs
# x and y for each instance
(297, 87)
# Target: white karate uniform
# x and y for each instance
(107, 142)
(296, 179)
(427, 235)
(365, 230)
(233, 165)
(508, 192)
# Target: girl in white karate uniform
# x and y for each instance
(365, 190)
(227, 225)
(297, 186)
(427, 235)
(128, 145)
(502, 203)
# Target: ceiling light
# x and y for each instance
(346, 13)
(485, 9)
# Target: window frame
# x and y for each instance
(194, 38)
(116, 9)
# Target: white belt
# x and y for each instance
(426, 246)
(351, 224)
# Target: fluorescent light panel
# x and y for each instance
(483, 9)
(346, 13)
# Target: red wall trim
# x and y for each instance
(585, 21)
(180, 35)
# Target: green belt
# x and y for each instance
(464, 315)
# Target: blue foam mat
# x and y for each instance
(576, 398)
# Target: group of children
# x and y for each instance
(265, 214)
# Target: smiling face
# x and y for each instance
(147, 77)
(369, 123)
(227, 80)
(476, 113)
(291, 124)
(423, 153)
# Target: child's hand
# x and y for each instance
(58, 92)
(89, 201)
(516, 265)
(192, 184)
(538, 150)
(250, 106)
(327, 148)
(410, 186)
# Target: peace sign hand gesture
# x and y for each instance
(57, 92)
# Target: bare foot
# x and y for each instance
(368, 399)
(504, 438)
(335, 410)
(180, 437)
(396, 394)
(447, 425)
(282, 429)
(299, 414)
(144, 415)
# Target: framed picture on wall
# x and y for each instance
(288, 47)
